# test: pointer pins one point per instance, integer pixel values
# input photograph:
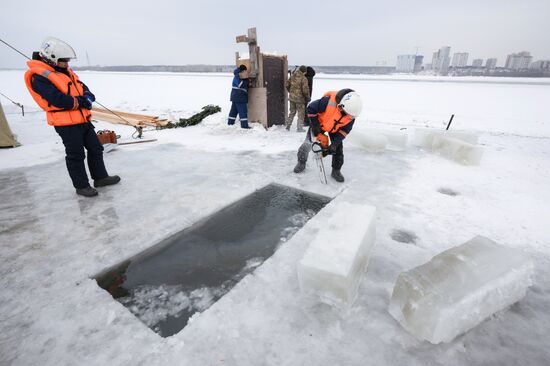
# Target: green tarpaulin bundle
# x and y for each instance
(196, 118)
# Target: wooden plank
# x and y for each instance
(132, 119)
(111, 118)
(257, 108)
(123, 114)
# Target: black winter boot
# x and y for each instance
(107, 181)
(86, 192)
(337, 175)
(300, 167)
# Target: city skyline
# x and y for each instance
(176, 33)
(442, 60)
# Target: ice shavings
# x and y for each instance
(153, 304)
(297, 221)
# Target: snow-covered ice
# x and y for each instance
(53, 242)
(337, 256)
(459, 288)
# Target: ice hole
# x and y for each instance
(192, 269)
(448, 191)
(404, 236)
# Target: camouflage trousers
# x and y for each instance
(301, 109)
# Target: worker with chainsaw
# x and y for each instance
(67, 103)
(239, 97)
(298, 96)
(333, 114)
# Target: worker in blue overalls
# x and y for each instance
(239, 98)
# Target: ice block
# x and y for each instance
(335, 260)
(459, 288)
(457, 150)
(423, 137)
(372, 142)
(397, 139)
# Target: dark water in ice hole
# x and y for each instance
(189, 271)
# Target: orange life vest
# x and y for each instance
(69, 85)
(332, 120)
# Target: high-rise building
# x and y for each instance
(491, 63)
(405, 63)
(478, 62)
(460, 59)
(518, 61)
(418, 63)
(409, 63)
(435, 60)
(441, 60)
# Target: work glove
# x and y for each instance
(90, 96)
(84, 102)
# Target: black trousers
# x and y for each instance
(305, 148)
(76, 138)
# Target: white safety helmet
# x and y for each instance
(53, 49)
(351, 104)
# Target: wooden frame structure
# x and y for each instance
(267, 96)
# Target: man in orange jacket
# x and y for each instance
(67, 102)
(333, 114)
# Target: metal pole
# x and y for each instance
(450, 121)
(17, 104)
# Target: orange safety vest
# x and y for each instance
(67, 85)
(332, 120)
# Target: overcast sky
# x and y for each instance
(353, 32)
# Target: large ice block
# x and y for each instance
(458, 288)
(457, 150)
(338, 255)
(397, 139)
(423, 137)
(372, 142)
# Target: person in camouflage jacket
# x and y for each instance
(298, 89)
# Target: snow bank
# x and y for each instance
(458, 288)
(338, 255)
